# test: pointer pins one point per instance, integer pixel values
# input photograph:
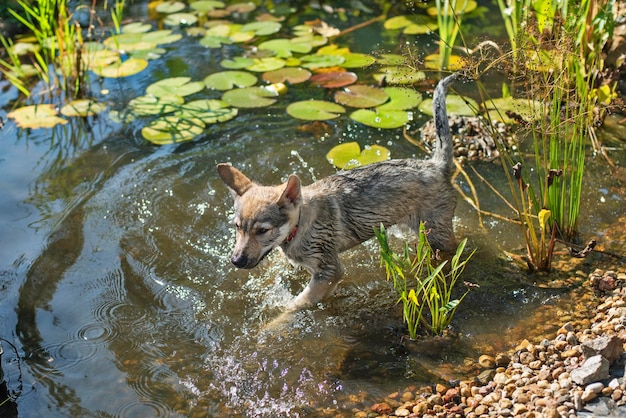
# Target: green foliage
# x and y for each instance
(425, 290)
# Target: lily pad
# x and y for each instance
(36, 116)
(126, 68)
(399, 74)
(335, 79)
(400, 98)
(180, 19)
(315, 61)
(412, 24)
(250, 97)
(455, 62)
(315, 110)
(462, 106)
(227, 80)
(284, 48)
(262, 65)
(361, 96)
(83, 107)
(529, 110)
(357, 60)
(170, 7)
(460, 7)
(349, 155)
(391, 59)
(262, 28)
(205, 6)
(137, 27)
(152, 105)
(386, 119)
(171, 129)
(237, 63)
(291, 75)
(211, 41)
(175, 86)
(207, 110)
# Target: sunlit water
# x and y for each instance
(117, 297)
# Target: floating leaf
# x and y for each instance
(170, 7)
(285, 47)
(151, 105)
(266, 64)
(386, 119)
(349, 155)
(149, 54)
(334, 79)
(460, 7)
(357, 60)
(137, 27)
(315, 61)
(180, 19)
(392, 59)
(101, 58)
(401, 98)
(315, 110)
(399, 75)
(36, 116)
(162, 37)
(462, 106)
(227, 80)
(207, 110)
(455, 62)
(412, 25)
(237, 63)
(171, 129)
(126, 68)
(529, 110)
(82, 107)
(262, 28)
(205, 6)
(361, 96)
(175, 86)
(211, 41)
(250, 97)
(291, 75)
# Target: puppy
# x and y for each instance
(313, 224)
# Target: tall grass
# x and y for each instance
(449, 24)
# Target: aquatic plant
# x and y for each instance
(425, 290)
(449, 17)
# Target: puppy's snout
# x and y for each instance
(239, 260)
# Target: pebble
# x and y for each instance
(534, 379)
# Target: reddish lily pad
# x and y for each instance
(250, 97)
(291, 75)
(175, 86)
(334, 79)
(36, 116)
(386, 119)
(361, 96)
(171, 129)
(315, 110)
(349, 155)
(227, 80)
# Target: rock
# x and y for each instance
(485, 376)
(381, 408)
(610, 347)
(487, 362)
(594, 369)
(502, 360)
(402, 412)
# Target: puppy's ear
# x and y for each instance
(234, 179)
(292, 193)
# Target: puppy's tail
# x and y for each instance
(444, 151)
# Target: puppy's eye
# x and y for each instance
(237, 226)
(262, 231)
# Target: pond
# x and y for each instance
(118, 299)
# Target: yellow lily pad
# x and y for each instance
(36, 116)
(126, 68)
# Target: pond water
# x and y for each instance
(117, 297)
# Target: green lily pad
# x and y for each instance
(400, 98)
(386, 119)
(149, 54)
(82, 107)
(171, 129)
(152, 105)
(175, 86)
(101, 58)
(162, 37)
(357, 60)
(250, 97)
(207, 110)
(262, 28)
(136, 27)
(262, 65)
(36, 116)
(227, 80)
(291, 75)
(284, 48)
(349, 155)
(243, 7)
(462, 106)
(529, 110)
(335, 79)
(180, 19)
(399, 74)
(315, 110)
(170, 7)
(361, 96)
(211, 41)
(412, 24)
(126, 68)
(237, 63)
(315, 61)
(205, 6)
(391, 59)
(460, 7)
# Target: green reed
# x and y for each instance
(425, 290)
(449, 24)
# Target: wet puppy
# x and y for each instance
(313, 224)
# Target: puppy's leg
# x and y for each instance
(322, 285)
